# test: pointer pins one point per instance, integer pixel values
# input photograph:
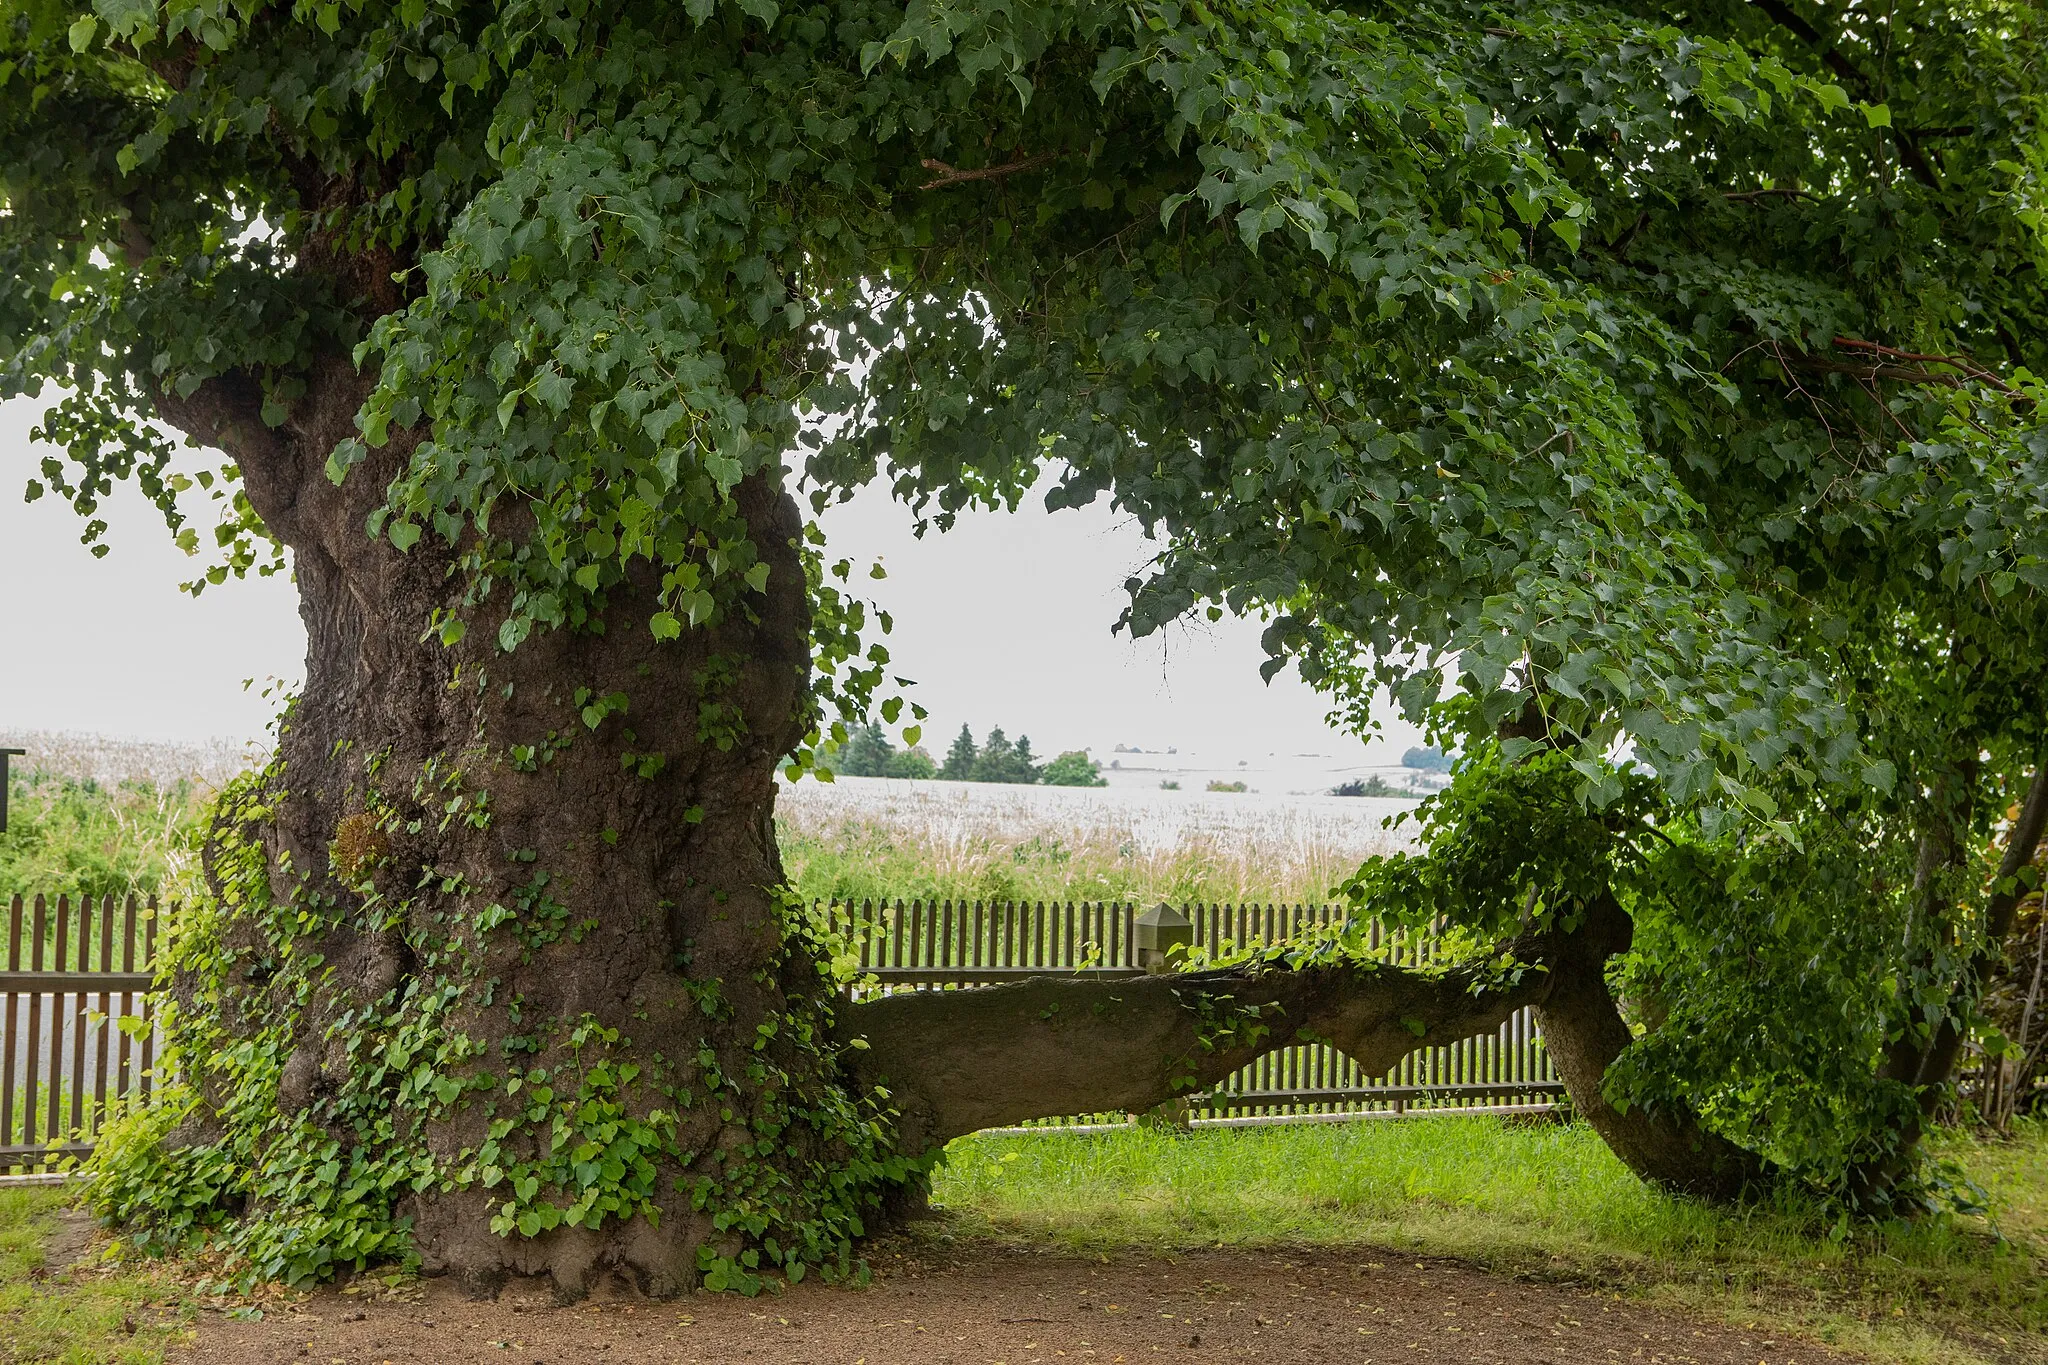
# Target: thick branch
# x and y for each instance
(282, 466)
(1852, 76)
(225, 412)
(1584, 1032)
(1904, 367)
(958, 1061)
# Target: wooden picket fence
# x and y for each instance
(75, 971)
(78, 1035)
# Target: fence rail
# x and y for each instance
(78, 1033)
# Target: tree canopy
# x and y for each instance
(1644, 397)
(1335, 262)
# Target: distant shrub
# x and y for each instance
(1228, 787)
(1425, 760)
(914, 764)
(1074, 769)
(1169, 786)
(1369, 786)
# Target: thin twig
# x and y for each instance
(952, 175)
(1751, 196)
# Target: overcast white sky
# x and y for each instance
(1005, 620)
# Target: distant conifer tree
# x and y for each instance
(998, 759)
(960, 759)
(868, 752)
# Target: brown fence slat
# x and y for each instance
(39, 927)
(126, 1082)
(53, 1122)
(146, 1082)
(103, 1052)
(81, 1017)
(8, 1005)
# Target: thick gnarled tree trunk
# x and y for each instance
(961, 1061)
(1584, 1033)
(578, 891)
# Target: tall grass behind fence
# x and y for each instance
(949, 945)
(76, 970)
(866, 838)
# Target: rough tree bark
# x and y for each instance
(1584, 1032)
(960, 1061)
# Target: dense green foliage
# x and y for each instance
(79, 837)
(1765, 977)
(1646, 396)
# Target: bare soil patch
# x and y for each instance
(70, 1239)
(1022, 1307)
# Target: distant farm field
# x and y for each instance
(101, 816)
(862, 838)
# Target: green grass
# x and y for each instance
(2014, 1172)
(81, 1315)
(1548, 1202)
(1545, 1201)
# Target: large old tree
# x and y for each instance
(1642, 395)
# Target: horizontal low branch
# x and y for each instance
(955, 1062)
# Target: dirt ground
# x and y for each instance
(1026, 1307)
